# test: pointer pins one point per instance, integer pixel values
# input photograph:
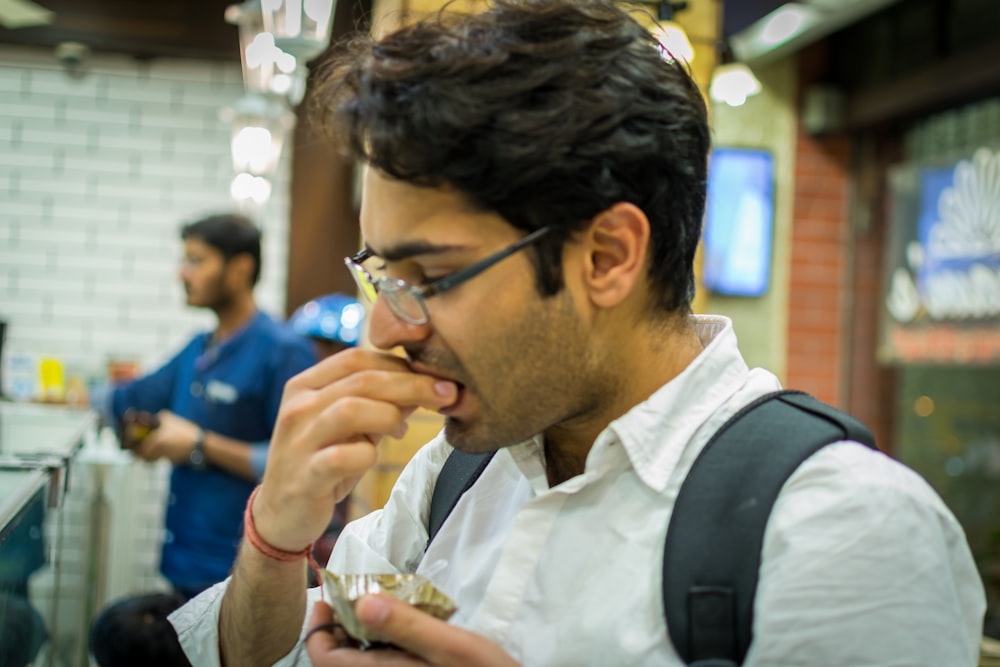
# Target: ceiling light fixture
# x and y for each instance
(674, 42)
(732, 84)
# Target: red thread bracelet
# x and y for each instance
(274, 553)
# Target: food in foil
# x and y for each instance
(341, 591)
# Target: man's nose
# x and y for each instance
(387, 330)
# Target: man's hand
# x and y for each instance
(427, 640)
(332, 416)
(173, 439)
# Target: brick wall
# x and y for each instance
(818, 273)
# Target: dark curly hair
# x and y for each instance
(544, 111)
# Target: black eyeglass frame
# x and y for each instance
(420, 293)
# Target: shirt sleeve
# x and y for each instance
(150, 393)
(197, 625)
(293, 358)
(385, 540)
(393, 539)
(863, 565)
(258, 458)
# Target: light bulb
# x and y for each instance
(732, 84)
(674, 42)
(252, 148)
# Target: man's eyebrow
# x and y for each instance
(412, 249)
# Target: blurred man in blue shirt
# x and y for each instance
(213, 406)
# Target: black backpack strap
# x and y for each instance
(711, 555)
(459, 472)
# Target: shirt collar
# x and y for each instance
(212, 352)
(655, 433)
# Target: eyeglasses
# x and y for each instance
(408, 302)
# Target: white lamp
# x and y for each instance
(259, 125)
(249, 190)
(674, 42)
(266, 68)
(732, 84)
(300, 27)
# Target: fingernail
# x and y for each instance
(372, 610)
(444, 388)
(401, 431)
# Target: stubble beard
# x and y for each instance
(529, 381)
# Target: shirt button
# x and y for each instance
(196, 389)
(171, 499)
(168, 537)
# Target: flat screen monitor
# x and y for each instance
(739, 220)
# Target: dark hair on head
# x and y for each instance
(134, 631)
(544, 111)
(22, 631)
(229, 233)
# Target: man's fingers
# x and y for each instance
(342, 461)
(321, 638)
(404, 388)
(423, 635)
(378, 375)
(346, 363)
(326, 651)
(399, 623)
(355, 417)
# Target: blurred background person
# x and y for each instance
(211, 409)
(134, 632)
(22, 631)
(332, 323)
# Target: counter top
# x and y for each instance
(17, 488)
(36, 444)
(34, 430)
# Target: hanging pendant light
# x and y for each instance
(259, 126)
(267, 69)
(300, 27)
(732, 84)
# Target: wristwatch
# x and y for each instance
(196, 457)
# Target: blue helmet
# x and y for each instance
(334, 317)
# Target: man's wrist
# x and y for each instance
(196, 457)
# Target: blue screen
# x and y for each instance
(739, 220)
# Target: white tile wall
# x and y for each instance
(96, 176)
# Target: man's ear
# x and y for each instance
(241, 268)
(616, 245)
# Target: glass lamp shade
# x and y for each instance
(259, 126)
(674, 42)
(247, 189)
(300, 27)
(266, 68)
(732, 84)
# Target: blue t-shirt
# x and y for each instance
(233, 389)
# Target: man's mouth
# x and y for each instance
(418, 368)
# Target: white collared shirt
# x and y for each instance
(863, 565)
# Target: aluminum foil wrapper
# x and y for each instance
(341, 591)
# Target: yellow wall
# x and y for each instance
(768, 121)
(373, 490)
